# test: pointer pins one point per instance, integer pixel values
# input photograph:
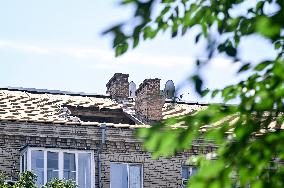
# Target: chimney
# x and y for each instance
(149, 101)
(118, 86)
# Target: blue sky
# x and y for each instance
(57, 44)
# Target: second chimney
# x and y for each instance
(149, 101)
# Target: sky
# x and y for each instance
(58, 45)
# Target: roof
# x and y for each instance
(47, 106)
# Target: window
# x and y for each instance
(37, 165)
(48, 164)
(186, 173)
(84, 170)
(123, 175)
(69, 171)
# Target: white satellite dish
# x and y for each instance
(132, 89)
(169, 90)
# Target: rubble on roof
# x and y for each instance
(51, 108)
(25, 106)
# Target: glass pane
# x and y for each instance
(69, 175)
(135, 176)
(52, 165)
(193, 171)
(184, 173)
(84, 170)
(37, 163)
(69, 166)
(118, 175)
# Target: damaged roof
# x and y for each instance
(49, 106)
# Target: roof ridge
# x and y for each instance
(53, 92)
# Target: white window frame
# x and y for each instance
(28, 166)
(23, 157)
(130, 164)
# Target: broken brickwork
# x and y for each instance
(149, 101)
(118, 86)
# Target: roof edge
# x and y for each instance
(54, 92)
(195, 103)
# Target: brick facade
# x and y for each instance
(36, 119)
(120, 146)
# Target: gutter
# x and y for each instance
(100, 149)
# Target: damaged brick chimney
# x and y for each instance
(149, 101)
(118, 86)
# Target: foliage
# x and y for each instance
(2, 179)
(56, 183)
(28, 179)
(248, 136)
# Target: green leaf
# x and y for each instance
(168, 1)
(165, 10)
(215, 92)
(197, 37)
(261, 66)
(257, 184)
(174, 34)
(143, 133)
(135, 42)
(205, 92)
(278, 45)
(279, 90)
(149, 33)
(245, 67)
(204, 29)
(259, 5)
(121, 49)
(229, 93)
(231, 51)
(266, 27)
(198, 83)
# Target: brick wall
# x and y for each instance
(149, 101)
(118, 86)
(120, 147)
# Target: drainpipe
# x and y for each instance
(100, 149)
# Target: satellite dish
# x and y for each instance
(169, 90)
(132, 89)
